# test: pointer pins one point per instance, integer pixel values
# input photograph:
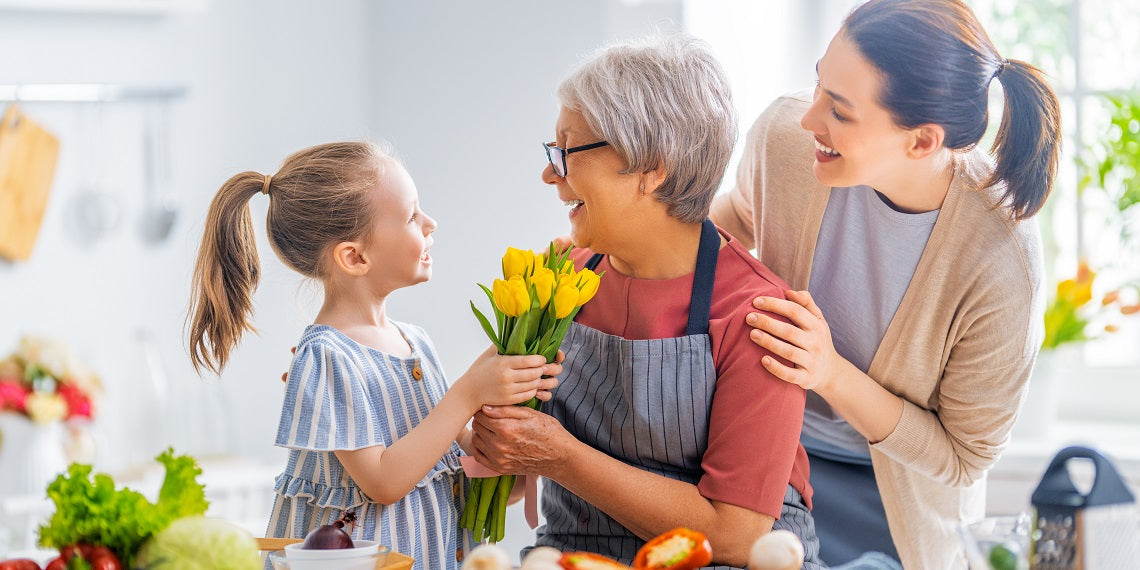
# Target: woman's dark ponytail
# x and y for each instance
(1027, 147)
(938, 64)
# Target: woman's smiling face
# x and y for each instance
(856, 139)
(594, 188)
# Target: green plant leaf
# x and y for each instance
(487, 327)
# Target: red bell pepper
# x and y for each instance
(588, 561)
(678, 549)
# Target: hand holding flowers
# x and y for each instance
(533, 306)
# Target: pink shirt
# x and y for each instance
(754, 449)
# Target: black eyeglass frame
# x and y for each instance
(553, 150)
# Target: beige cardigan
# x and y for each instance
(959, 349)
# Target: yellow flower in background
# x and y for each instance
(1069, 314)
(518, 262)
(45, 407)
(566, 299)
(511, 296)
(588, 282)
(543, 282)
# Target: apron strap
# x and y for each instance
(701, 301)
(703, 278)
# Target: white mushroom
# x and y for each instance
(486, 557)
(541, 558)
(777, 550)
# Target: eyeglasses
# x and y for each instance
(557, 154)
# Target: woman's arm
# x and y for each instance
(513, 439)
(806, 343)
(978, 391)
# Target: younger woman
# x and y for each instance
(367, 417)
(915, 263)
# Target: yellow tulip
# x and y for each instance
(517, 262)
(511, 296)
(543, 281)
(565, 299)
(1067, 290)
(1085, 274)
(1083, 293)
(588, 282)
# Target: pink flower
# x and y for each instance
(13, 396)
(77, 403)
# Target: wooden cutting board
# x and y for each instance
(27, 165)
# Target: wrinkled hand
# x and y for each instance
(806, 342)
(518, 440)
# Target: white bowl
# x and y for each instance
(338, 559)
(361, 549)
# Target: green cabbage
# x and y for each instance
(200, 543)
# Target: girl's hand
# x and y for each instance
(806, 342)
(544, 394)
(504, 380)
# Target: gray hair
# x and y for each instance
(661, 100)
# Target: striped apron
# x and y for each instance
(645, 403)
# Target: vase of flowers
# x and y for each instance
(1073, 316)
(47, 399)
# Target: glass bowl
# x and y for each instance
(997, 543)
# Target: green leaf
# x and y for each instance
(487, 327)
(91, 510)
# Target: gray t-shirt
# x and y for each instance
(864, 259)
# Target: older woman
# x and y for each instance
(663, 417)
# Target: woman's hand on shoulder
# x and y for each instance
(498, 379)
(805, 341)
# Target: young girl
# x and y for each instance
(367, 418)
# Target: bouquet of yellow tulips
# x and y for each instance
(534, 304)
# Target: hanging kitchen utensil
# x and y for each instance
(1072, 530)
(93, 210)
(28, 155)
(158, 214)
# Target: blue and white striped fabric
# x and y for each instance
(341, 395)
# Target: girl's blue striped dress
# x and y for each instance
(342, 395)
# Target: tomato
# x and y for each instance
(19, 564)
(678, 549)
(588, 561)
(95, 557)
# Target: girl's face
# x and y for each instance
(856, 140)
(599, 196)
(401, 232)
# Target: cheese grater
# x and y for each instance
(1098, 530)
